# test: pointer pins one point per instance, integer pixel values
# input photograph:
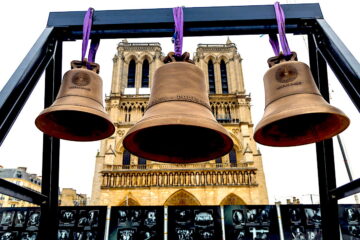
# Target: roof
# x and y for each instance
(20, 174)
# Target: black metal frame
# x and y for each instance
(324, 48)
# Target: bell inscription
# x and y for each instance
(286, 74)
(81, 79)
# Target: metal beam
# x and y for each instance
(25, 194)
(51, 153)
(198, 21)
(340, 59)
(325, 153)
(17, 90)
(346, 190)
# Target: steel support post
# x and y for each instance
(51, 153)
(325, 153)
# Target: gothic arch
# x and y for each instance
(232, 199)
(129, 201)
(129, 58)
(119, 147)
(182, 198)
(237, 144)
(223, 57)
(146, 56)
(210, 57)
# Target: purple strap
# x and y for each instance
(179, 28)
(86, 36)
(94, 45)
(280, 18)
(274, 43)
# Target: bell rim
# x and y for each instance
(185, 121)
(78, 108)
(321, 108)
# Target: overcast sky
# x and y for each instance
(289, 171)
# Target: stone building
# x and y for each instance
(121, 178)
(69, 197)
(22, 178)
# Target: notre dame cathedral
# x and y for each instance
(122, 179)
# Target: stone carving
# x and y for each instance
(175, 179)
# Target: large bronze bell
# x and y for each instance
(178, 125)
(78, 114)
(295, 112)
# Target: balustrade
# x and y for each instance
(156, 166)
(179, 178)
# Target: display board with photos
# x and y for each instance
(349, 219)
(301, 222)
(19, 223)
(78, 223)
(251, 222)
(194, 222)
(136, 222)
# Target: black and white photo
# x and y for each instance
(251, 222)
(89, 235)
(354, 230)
(28, 236)
(150, 219)
(259, 233)
(257, 215)
(64, 234)
(135, 217)
(136, 222)
(352, 215)
(83, 218)
(263, 216)
(122, 217)
(298, 233)
(182, 216)
(147, 235)
(78, 235)
(294, 215)
(184, 234)
(7, 218)
(84, 235)
(88, 218)
(238, 217)
(34, 218)
(251, 215)
(204, 218)
(8, 235)
(67, 218)
(239, 234)
(313, 215)
(126, 234)
(314, 234)
(20, 218)
(194, 222)
(205, 234)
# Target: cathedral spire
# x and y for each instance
(228, 41)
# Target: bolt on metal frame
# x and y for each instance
(325, 48)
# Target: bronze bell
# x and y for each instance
(295, 112)
(77, 113)
(178, 125)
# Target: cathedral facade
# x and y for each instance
(122, 179)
